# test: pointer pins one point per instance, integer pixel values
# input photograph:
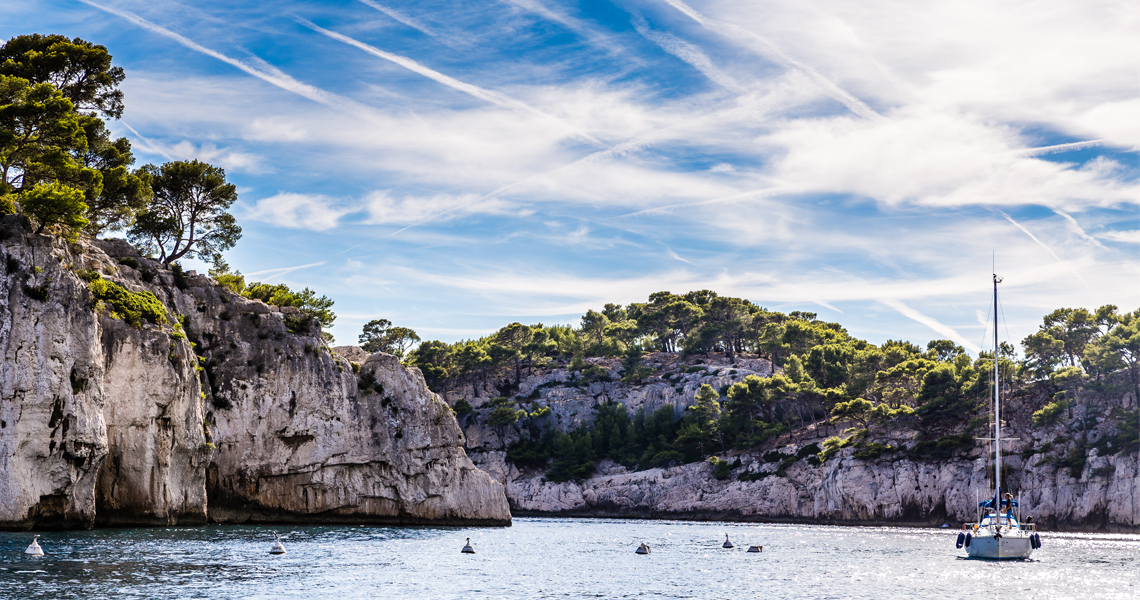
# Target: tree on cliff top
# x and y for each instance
(186, 216)
(81, 70)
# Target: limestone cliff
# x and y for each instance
(781, 481)
(230, 411)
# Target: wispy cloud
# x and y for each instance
(276, 78)
(1042, 244)
(281, 271)
(402, 18)
(496, 98)
(299, 211)
(688, 53)
(1059, 148)
(1076, 227)
(767, 49)
(933, 324)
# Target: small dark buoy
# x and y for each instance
(278, 547)
(756, 548)
(642, 549)
(34, 549)
(727, 542)
(467, 549)
(961, 539)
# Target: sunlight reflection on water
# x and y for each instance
(557, 558)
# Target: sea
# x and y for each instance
(557, 558)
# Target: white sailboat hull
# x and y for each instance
(1009, 547)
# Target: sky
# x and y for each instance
(457, 166)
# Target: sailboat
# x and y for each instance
(997, 533)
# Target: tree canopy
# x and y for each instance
(80, 70)
(187, 214)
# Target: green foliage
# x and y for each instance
(833, 445)
(41, 139)
(573, 457)
(722, 468)
(7, 205)
(131, 307)
(233, 281)
(186, 216)
(55, 204)
(305, 300)
(504, 415)
(1050, 414)
(944, 447)
(130, 262)
(871, 450)
(81, 70)
(380, 336)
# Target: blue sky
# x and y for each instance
(456, 166)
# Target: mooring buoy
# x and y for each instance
(642, 549)
(34, 549)
(727, 542)
(467, 549)
(756, 548)
(278, 547)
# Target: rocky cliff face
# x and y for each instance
(232, 411)
(779, 482)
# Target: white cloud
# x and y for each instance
(1128, 237)
(298, 211)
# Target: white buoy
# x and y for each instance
(34, 549)
(278, 547)
(467, 549)
(756, 548)
(642, 549)
(727, 542)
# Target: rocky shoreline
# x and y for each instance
(778, 484)
(220, 409)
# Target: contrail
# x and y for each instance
(276, 78)
(575, 25)
(1047, 248)
(622, 148)
(1080, 230)
(402, 18)
(762, 193)
(945, 330)
(768, 49)
(688, 53)
(493, 97)
(1058, 148)
(153, 147)
(282, 271)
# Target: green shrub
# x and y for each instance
(179, 277)
(832, 445)
(463, 407)
(944, 447)
(504, 415)
(130, 262)
(38, 292)
(721, 467)
(7, 206)
(1050, 413)
(871, 450)
(131, 307)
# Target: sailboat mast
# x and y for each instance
(997, 410)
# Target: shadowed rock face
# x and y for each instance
(105, 423)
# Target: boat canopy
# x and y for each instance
(990, 503)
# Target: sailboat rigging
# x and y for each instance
(997, 532)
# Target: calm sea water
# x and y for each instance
(557, 558)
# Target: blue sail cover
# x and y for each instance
(990, 503)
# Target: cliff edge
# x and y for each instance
(134, 395)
